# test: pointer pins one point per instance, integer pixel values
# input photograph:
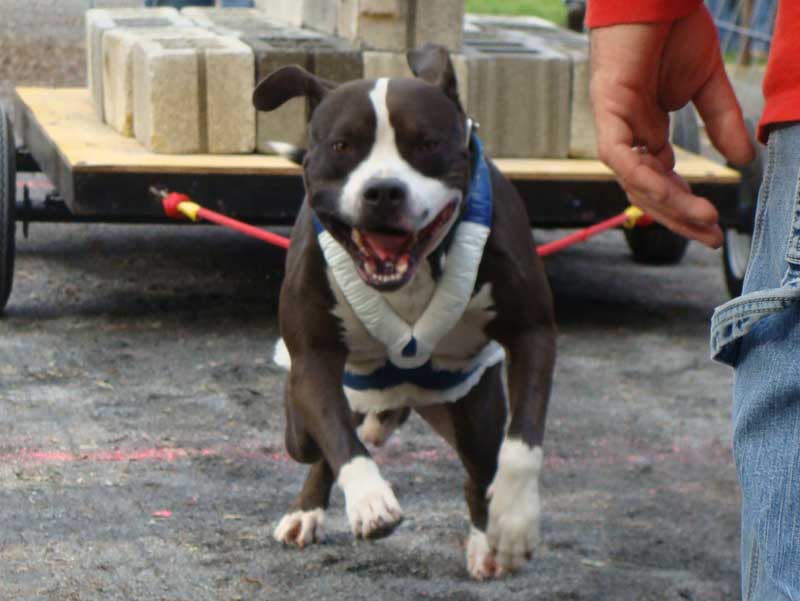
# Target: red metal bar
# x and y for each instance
(172, 207)
(247, 230)
(582, 235)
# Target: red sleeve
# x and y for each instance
(601, 13)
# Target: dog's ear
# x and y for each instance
(287, 83)
(432, 63)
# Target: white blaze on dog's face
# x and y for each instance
(386, 173)
(388, 163)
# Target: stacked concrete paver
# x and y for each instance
(99, 21)
(192, 95)
(118, 80)
(523, 80)
(533, 32)
(274, 46)
(397, 25)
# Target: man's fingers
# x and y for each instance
(643, 176)
(666, 157)
(665, 196)
(671, 210)
(722, 115)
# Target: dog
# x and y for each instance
(411, 282)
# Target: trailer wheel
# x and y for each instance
(736, 249)
(655, 244)
(735, 257)
(8, 204)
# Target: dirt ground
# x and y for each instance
(135, 380)
(141, 423)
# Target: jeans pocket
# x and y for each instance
(737, 317)
(772, 282)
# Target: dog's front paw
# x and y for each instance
(372, 508)
(300, 528)
(513, 530)
(480, 561)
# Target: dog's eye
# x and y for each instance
(340, 146)
(428, 145)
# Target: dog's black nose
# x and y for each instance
(387, 193)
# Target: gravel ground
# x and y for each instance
(141, 422)
(135, 379)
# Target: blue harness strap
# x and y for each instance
(425, 376)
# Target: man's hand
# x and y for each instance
(641, 72)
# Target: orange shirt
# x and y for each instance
(782, 81)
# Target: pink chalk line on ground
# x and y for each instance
(713, 452)
(174, 454)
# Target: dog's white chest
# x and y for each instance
(464, 349)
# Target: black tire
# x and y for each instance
(736, 248)
(655, 244)
(8, 205)
(735, 256)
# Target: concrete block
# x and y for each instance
(289, 12)
(193, 95)
(397, 25)
(376, 24)
(237, 22)
(321, 15)
(118, 81)
(385, 64)
(325, 56)
(519, 94)
(99, 21)
(533, 32)
(439, 22)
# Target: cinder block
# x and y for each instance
(439, 22)
(537, 33)
(376, 24)
(321, 15)
(118, 81)
(325, 56)
(385, 64)
(194, 95)
(99, 21)
(519, 94)
(289, 12)
(397, 25)
(237, 22)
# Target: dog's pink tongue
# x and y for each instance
(386, 246)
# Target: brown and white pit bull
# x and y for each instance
(411, 279)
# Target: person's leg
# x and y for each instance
(766, 412)
(767, 450)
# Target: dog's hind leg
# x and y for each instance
(474, 426)
(303, 523)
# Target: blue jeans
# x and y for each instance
(759, 335)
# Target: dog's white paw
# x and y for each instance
(300, 528)
(513, 529)
(372, 508)
(480, 561)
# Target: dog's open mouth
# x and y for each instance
(387, 258)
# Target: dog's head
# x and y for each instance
(388, 163)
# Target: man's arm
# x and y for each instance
(646, 63)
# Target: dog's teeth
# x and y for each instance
(402, 265)
(355, 235)
(369, 267)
